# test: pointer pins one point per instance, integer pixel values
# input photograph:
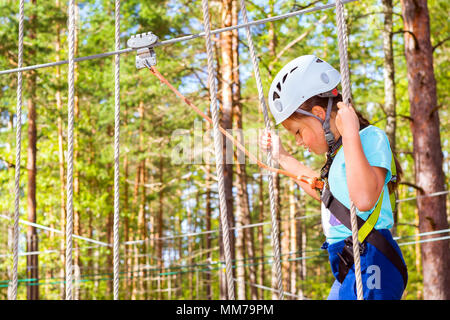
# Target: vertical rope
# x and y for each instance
(273, 209)
(346, 94)
(218, 152)
(71, 106)
(18, 150)
(116, 152)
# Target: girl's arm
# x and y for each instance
(364, 181)
(270, 141)
(289, 163)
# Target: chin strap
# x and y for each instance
(329, 136)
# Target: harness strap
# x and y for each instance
(371, 221)
(392, 197)
(374, 237)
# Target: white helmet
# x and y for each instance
(299, 80)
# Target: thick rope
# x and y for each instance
(18, 150)
(71, 106)
(218, 152)
(116, 152)
(273, 209)
(346, 94)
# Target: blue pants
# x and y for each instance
(380, 278)
(334, 291)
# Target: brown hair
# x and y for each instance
(323, 102)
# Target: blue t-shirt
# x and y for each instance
(378, 153)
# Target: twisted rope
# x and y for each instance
(116, 152)
(273, 209)
(346, 94)
(218, 152)
(71, 105)
(18, 150)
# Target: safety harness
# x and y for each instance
(367, 231)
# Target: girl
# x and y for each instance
(360, 166)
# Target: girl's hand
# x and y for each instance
(347, 121)
(269, 140)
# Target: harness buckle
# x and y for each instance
(349, 246)
(145, 55)
(346, 255)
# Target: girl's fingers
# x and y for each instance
(266, 142)
(341, 105)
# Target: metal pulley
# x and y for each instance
(143, 42)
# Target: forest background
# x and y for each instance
(162, 198)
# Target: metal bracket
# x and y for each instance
(145, 55)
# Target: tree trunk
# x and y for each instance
(142, 227)
(76, 153)
(125, 210)
(133, 250)
(190, 249)
(418, 256)
(179, 280)
(208, 210)
(32, 237)
(136, 270)
(301, 240)
(261, 234)
(241, 183)
(285, 231)
(284, 244)
(294, 247)
(109, 256)
(389, 86)
(240, 256)
(226, 40)
(91, 265)
(92, 254)
(426, 146)
(161, 213)
(241, 202)
(272, 36)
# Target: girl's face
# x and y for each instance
(308, 131)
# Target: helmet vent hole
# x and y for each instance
(293, 69)
(319, 61)
(284, 78)
(279, 86)
(275, 96)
